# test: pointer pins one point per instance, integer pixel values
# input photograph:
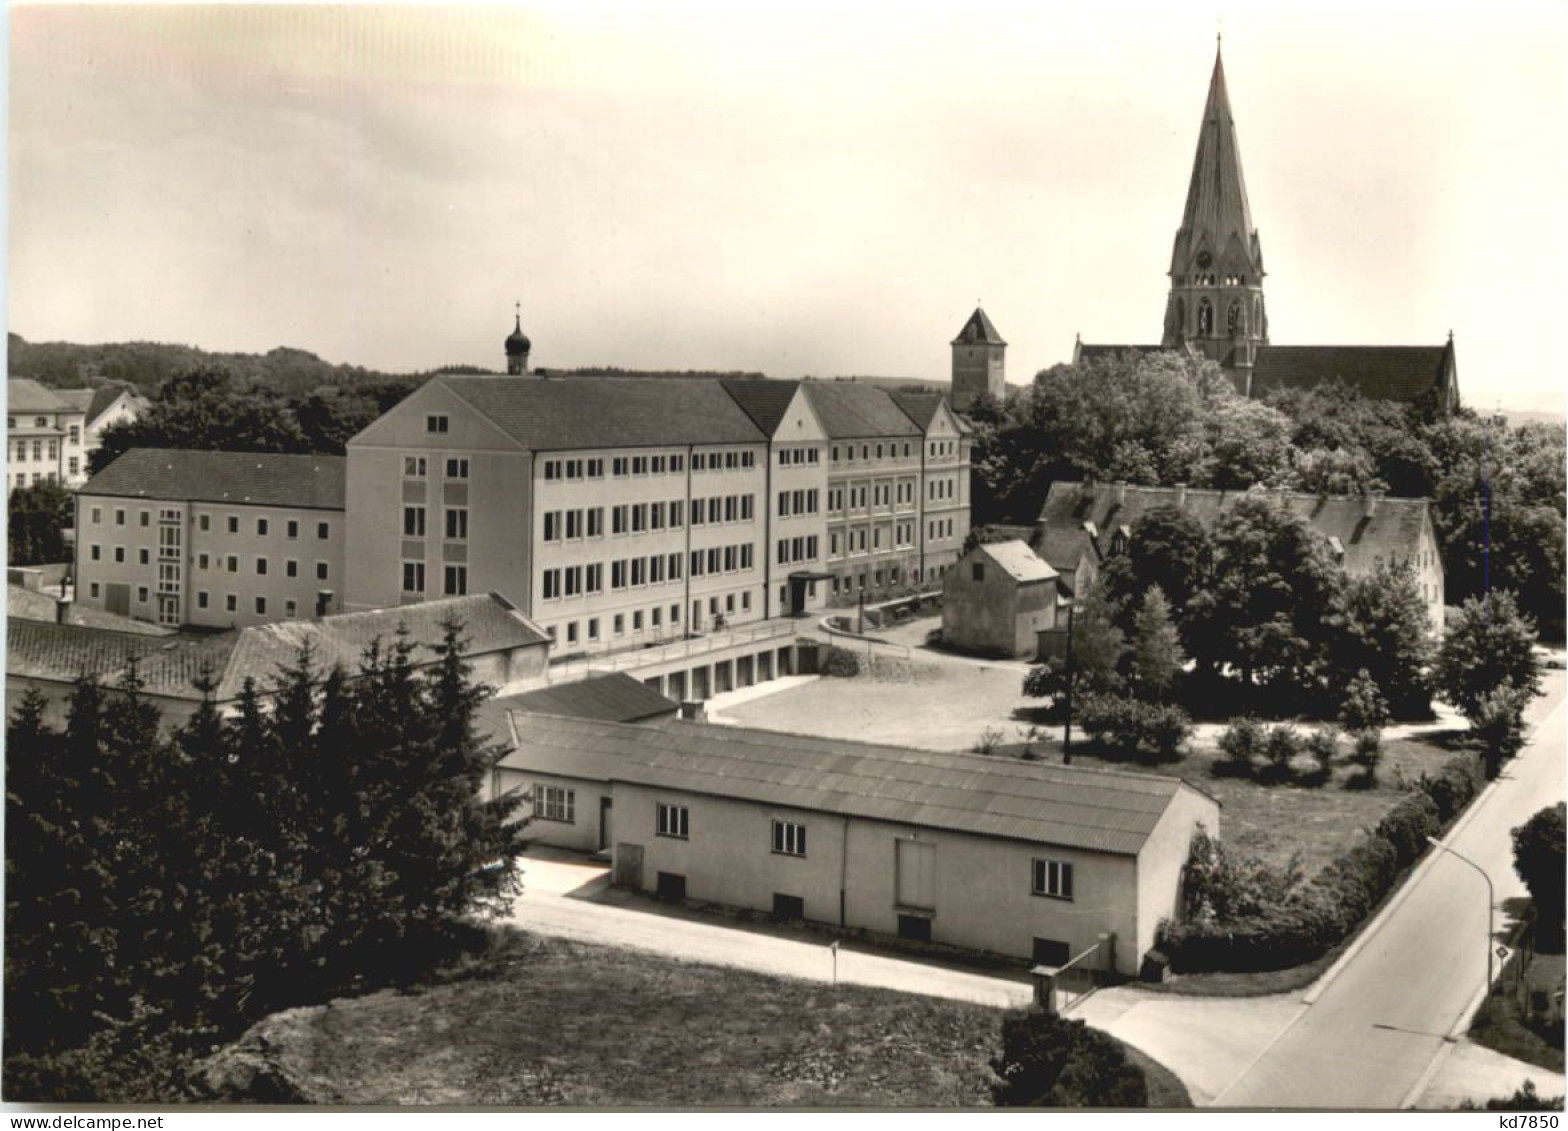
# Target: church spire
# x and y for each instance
(1216, 299)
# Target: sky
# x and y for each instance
(794, 188)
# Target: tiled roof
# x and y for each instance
(978, 330)
(1073, 807)
(919, 407)
(30, 604)
(94, 402)
(1018, 560)
(613, 698)
(554, 414)
(850, 410)
(1394, 373)
(23, 394)
(1391, 533)
(253, 478)
(764, 401)
(170, 665)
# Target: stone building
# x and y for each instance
(979, 363)
(998, 599)
(1215, 307)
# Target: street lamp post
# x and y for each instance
(1491, 902)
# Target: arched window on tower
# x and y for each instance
(1205, 318)
(1233, 319)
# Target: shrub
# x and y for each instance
(1281, 747)
(1455, 784)
(1242, 741)
(1407, 825)
(1049, 1061)
(990, 738)
(1349, 886)
(841, 662)
(1523, 1099)
(1364, 707)
(1323, 745)
(1156, 729)
(1369, 751)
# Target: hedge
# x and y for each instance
(1323, 912)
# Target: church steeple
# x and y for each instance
(517, 347)
(1216, 295)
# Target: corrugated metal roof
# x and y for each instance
(615, 698)
(1073, 807)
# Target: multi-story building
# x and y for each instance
(217, 539)
(616, 512)
(46, 436)
(51, 432)
(944, 475)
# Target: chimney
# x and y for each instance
(693, 711)
(62, 611)
(1370, 502)
(323, 602)
(1181, 495)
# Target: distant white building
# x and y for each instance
(51, 432)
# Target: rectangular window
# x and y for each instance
(291, 567)
(119, 553)
(322, 571)
(413, 467)
(293, 528)
(617, 574)
(789, 839)
(1052, 878)
(620, 624)
(637, 620)
(413, 577)
(233, 564)
(596, 522)
(456, 580)
(323, 530)
(552, 526)
(201, 561)
(619, 519)
(595, 578)
(457, 523)
(673, 821)
(261, 567)
(677, 512)
(201, 598)
(553, 803)
(436, 424)
(552, 584)
(261, 606)
(571, 633)
(144, 556)
(593, 628)
(413, 522)
(290, 609)
(261, 526)
(457, 468)
(231, 603)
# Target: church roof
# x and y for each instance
(1390, 373)
(978, 330)
(1217, 217)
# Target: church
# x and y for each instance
(1216, 308)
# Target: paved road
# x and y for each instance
(1371, 1034)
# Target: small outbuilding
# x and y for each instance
(998, 599)
(1021, 858)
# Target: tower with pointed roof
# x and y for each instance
(979, 363)
(517, 347)
(1216, 293)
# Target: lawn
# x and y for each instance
(1498, 1026)
(945, 704)
(548, 1021)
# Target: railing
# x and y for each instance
(689, 647)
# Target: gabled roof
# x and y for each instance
(1392, 532)
(978, 331)
(850, 410)
(919, 407)
(169, 666)
(95, 402)
(1020, 562)
(613, 698)
(23, 394)
(1070, 806)
(556, 414)
(252, 478)
(764, 401)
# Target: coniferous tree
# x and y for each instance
(1156, 647)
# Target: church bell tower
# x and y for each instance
(1216, 295)
(517, 347)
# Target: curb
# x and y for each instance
(1424, 1081)
(1416, 875)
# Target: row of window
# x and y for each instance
(939, 528)
(45, 422)
(883, 451)
(454, 579)
(795, 457)
(455, 522)
(653, 618)
(797, 549)
(1048, 877)
(880, 495)
(798, 502)
(416, 467)
(856, 541)
(228, 563)
(723, 508)
(942, 447)
(39, 447)
(942, 488)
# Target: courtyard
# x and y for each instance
(913, 695)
